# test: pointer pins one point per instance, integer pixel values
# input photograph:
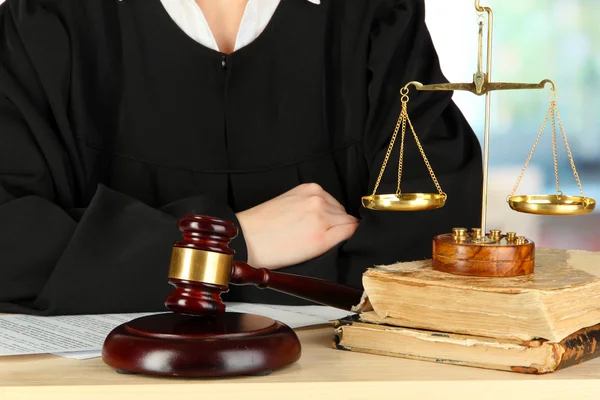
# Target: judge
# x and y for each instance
(118, 117)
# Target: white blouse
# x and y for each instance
(189, 17)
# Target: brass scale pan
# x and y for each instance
(552, 204)
(537, 204)
(556, 204)
(404, 202)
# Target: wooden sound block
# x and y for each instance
(499, 257)
(201, 346)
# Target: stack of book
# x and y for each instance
(530, 324)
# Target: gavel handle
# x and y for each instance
(312, 289)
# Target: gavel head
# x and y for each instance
(201, 265)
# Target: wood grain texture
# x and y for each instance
(201, 346)
(195, 298)
(317, 290)
(472, 259)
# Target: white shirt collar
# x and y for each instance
(189, 17)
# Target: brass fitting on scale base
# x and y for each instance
(495, 236)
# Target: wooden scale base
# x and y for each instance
(493, 255)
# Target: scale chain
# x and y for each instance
(537, 140)
(555, 115)
(389, 152)
(401, 124)
(568, 148)
(559, 192)
(401, 159)
(435, 181)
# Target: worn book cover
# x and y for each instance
(530, 356)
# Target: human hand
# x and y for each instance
(297, 226)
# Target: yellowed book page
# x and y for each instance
(561, 297)
(449, 348)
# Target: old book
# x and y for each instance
(532, 357)
(561, 297)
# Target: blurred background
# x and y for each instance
(533, 40)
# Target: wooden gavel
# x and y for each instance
(202, 267)
(199, 339)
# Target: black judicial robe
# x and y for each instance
(114, 124)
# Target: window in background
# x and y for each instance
(533, 40)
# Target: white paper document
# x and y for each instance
(82, 336)
(25, 334)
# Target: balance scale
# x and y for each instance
(479, 252)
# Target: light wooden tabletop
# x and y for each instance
(322, 372)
